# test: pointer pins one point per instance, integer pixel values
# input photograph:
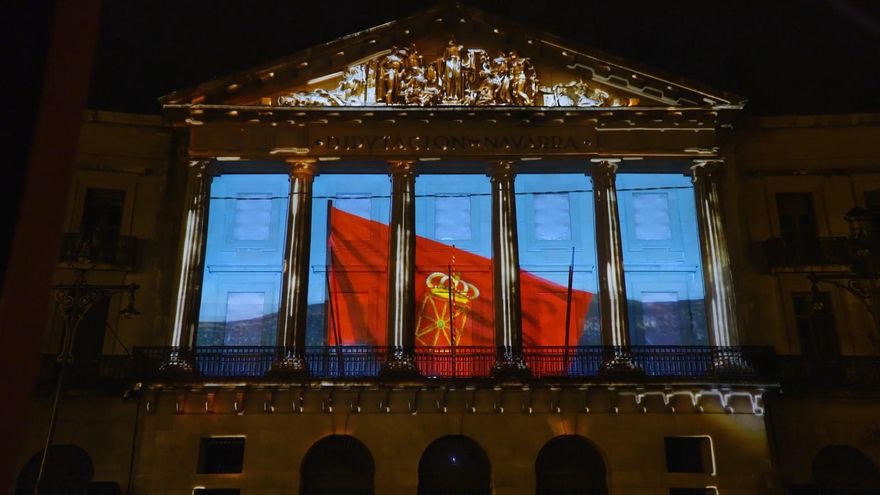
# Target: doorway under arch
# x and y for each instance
(845, 470)
(570, 465)
(337, 465)
(454, 464)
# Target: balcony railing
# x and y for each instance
(845, 373)
(365, 362)
(111, 372)
(116, 251)
(776, 253)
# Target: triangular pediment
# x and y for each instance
(453, 55)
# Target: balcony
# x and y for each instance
(851, 373)
(777, 255)
(660, 363)
(117, 252)
(111, 372)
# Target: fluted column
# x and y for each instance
(505, 274)
(400, 360)
(612, 285)
(194, 230)
(717, 275)
(295, 280)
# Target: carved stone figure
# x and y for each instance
(456, 78)
(453, 88)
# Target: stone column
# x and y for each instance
(194, 233)
(295, 281)
(400, 360)
(612, 285)
(509, 360)
(717, 275)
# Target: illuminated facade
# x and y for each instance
(488, 262)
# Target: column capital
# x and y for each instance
(502, 168)
(605, 166)
(301, 166)
(402, 166)
(705, 163)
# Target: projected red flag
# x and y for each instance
(357, 256)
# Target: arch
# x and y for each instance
(845, 470)
(68, 471)
(570, 465)
(337, 465)
(454, 464)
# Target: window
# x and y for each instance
(216, 491)
(253, 217)
(452, 218)
(218, 455)
(815, 324)
(101, 223)
(662, 259)
(244, 315)
(552, 217)
(570, 464)
(797, 226)
(651, 216)
(688, 455)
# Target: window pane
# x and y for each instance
(253, 217)
(356, 204)
(651, 216)
(452, 218)
(552, 217)
(244, 314)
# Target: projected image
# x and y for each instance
(661, 255)
(245, 245)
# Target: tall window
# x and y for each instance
(661, 254)
(245, 247)
(815, 324)
(797, 225)
(556, 232)
(349, 260)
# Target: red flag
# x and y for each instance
(359, 286)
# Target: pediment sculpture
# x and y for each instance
(459, 77)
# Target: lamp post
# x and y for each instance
(75, 300)
(862, 280)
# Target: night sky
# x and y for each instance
(795, 56)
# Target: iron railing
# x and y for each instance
(118, 251)
(824, 251)
(841, 372)
(365, 362)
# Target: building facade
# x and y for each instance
(452, 255)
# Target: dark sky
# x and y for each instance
(786, 56)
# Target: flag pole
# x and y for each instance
(452, 312)
(330, 311)
(568, 310)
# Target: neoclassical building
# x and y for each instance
(449, 254)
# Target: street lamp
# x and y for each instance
(862, 280)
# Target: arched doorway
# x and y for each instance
(844, 470)
(68, 471)
(454, 464)
(570, 465)
(337, 465)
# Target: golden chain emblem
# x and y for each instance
(435, 326)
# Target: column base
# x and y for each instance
(730, 363)
(510, 364)
(620, 364)
(179, 364)
(290, 367)
(400, 364)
